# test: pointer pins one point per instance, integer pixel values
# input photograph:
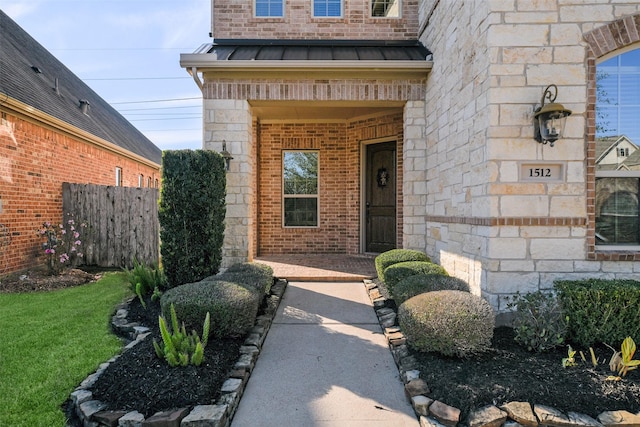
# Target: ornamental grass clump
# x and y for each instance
(421, 283)
(145, 280)
(398, 272)
(180, 348)
(233, 307)
(452, 323)
(394, 256)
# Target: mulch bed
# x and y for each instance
(509, 373)
(38, 279)
(138, 380)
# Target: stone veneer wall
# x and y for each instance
(230, 120)
(492, 61)
(233, 19)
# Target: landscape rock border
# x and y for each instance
(434, 413)
(430, 412)
(92, 412)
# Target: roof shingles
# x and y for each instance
(21, 57)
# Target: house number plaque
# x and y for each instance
(541, 172)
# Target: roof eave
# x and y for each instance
(26, 111)
(207, 62)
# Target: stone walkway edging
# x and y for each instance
(92, 412)
(434, 413)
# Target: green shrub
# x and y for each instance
(395, 256)
(600, 311)
(255, 275)
(233, 308)
(397, 272)
(539, 323)
(420, 283)
(191, 213)
(453, 323)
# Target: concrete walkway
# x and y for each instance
(325, 362)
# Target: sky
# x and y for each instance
(128, 52)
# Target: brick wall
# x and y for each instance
(34, 162)
(331, 234)
(339, 147)
(234, 19)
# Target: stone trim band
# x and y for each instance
(508, 221)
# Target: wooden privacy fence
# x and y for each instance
(122, 223)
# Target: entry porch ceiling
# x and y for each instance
(320, 111)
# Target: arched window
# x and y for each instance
(617, 218)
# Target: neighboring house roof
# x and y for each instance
(31, 75)
(606, 145)
(632, 162)
(318, 50)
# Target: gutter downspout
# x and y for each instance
(194, 74)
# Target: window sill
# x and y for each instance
(617, 248)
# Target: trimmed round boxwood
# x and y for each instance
(453, 323)
(395, 256)
(420, 283)
(397, 272)
(254, 275)
(233, 308)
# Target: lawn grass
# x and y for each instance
(49, 343)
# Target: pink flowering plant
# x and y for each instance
(62, 244)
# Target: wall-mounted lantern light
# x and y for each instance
(226, 155)
(549, 120)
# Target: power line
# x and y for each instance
(138, 78)
(164, 119)
(161, 108)
(166, 130)
(155, 100)
(192, 114)
(92, 49)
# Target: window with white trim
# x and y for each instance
(385, 8)
(140, 180)
(300, 207)
(269, 8)
(327, 8)
(618, 175)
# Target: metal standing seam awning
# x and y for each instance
(394, 56)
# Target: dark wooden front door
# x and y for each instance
(380, 203)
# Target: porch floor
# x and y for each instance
(321, 267)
